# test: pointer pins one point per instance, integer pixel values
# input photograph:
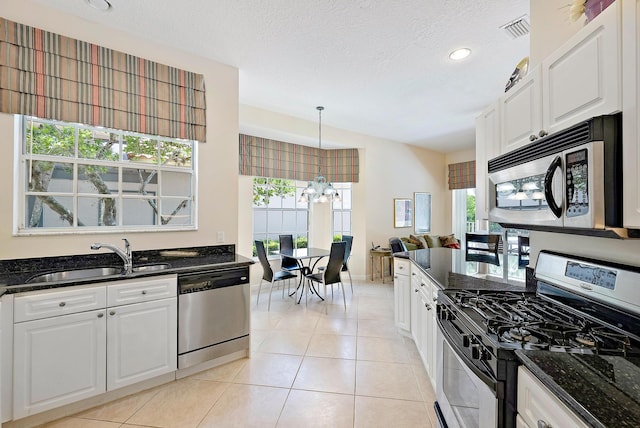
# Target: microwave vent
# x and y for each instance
(517, 28)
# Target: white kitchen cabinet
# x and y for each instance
(69, 344)
(579, 80)
(416, 277)
(487, 147)
(539, 407)
(631, 109)
(521, 112)
(58, 361)
(520, 423)
(141, 341)
(402, 294)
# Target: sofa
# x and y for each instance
(417, 241)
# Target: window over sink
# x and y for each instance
(80, 178)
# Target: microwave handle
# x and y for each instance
(548, 193)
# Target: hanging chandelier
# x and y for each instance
(319, 190)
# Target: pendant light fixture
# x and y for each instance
(319, 190)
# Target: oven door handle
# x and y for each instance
(548, 186)
(484, 376)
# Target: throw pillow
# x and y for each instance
(449, 241)
(433, 241)
(419, 241)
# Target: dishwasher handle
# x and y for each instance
(210, 280)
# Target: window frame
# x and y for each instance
(340, 187)
(21, 192)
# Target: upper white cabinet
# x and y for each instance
(487, 147)
(580, 80)
(631, 112)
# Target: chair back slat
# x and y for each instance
(262, 256)
(348, 239)
(483, 248)
(286, 243)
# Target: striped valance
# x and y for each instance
(275, 159)
(51, 76)
(462, 175)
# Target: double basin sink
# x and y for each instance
(88, 273)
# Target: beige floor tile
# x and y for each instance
(327, 375)
(286, 342)
(180, 404)
(303, 321)
(257, 337)
(276, 370)
(382, 349)
(337, 325)
(224, 373)
(264, 320)
(119, 410)
(311, 409)
(386, 380)
(332, 346)
(424, 383)
(247, 406)
(381, 412)
(377, 328)
(75, 422)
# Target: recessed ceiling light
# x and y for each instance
(101, 5)
(459, 54)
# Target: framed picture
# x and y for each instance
(422, 202)
(402, 212)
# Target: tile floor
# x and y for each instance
(308, 368)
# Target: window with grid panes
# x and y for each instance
(341, 213)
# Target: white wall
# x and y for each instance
(388, 170)
(218, 158)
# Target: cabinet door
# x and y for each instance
(582, 78)
(415, 302)
(402, 300)
(487, 147)
(58, 361)
(141, 341)
(426, 341)
(433, 331)
(631, 104)
(521, 112)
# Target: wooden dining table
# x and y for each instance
(309, 255)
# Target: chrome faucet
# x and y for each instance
(124, 255)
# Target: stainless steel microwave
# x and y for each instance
(570, 181)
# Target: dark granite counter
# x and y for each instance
(437, 263)
(14, 274)
(603, 390)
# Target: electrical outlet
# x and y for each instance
(220, 237)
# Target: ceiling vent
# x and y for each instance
(517, 28)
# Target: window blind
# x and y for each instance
(51, 76)
(276, 159)
(462, 175)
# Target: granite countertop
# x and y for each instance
(437, 263)
(603, 390)
(15, 273)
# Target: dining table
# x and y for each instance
(307, 259)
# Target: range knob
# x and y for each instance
(476, 351)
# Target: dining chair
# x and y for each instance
(268, 274)
(523, 251)
(397, 246)
(331, 274)
(287, 263)
(483, 248)
(348, 239)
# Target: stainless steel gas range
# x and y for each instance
(581, 306)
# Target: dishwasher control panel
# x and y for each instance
(210, 280)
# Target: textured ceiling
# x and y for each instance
(380, 67)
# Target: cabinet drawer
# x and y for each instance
(401, 266)
(141, 290)
(45, 304)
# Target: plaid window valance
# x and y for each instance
(275, 159)
(462, 175)
(51, 76)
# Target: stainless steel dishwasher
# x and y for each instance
(213, 314)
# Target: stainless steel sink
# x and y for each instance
(150, 268)
(68, 275)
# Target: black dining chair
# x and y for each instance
(397, 246)
(268, 274)
(523, 251)
(483, 248)
(348, 239)
(331, 274)
(287, 263)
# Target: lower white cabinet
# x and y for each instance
(58, 361)
(539, 407)
(141, 341)
(402, 295)
(66, 358)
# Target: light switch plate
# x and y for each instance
(220, 236)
